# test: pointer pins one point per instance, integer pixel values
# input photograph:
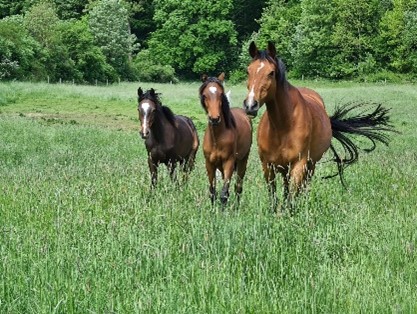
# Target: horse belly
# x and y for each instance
(243, 133)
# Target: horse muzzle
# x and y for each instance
(214, 121)
(251, 109)
(144, 135)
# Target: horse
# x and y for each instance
(169, 139)
(295, 130)
(227, 138)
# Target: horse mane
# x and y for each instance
(279, 64)
(164, 110)
(227, 114)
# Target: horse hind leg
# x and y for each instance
(240, 175)
(297, 181)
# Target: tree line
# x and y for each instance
(167, 40)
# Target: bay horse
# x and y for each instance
(295, 129)
(227, 139)
(169, 139)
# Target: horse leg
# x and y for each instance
(269, 175)
(171, 166)
(240, 172)
(228, 168)
(298, 179)
(211, 174)
(154, 172)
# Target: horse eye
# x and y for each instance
(271, 74)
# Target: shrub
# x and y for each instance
(150, 71)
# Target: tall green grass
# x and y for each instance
(81, 231)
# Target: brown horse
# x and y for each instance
(227, 139)
(169, 138)
(295, 130)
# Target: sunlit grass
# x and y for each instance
(82, 231)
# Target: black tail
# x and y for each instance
(372, 125)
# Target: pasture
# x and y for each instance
(82, 232)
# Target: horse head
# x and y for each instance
(148, 103)
(265, 73)
(213, 98)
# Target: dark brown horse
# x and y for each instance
(295, 130)
(227, 139)
(169, 138)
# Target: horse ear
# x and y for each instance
(140, 92)
(152, 91)
(271, 49)
(221, 77)
(253, 50)
(204, 77)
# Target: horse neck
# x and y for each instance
(280, 108)
(216, 132)
(160, 127)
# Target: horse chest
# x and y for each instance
(280, 148)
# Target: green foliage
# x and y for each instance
(194, 36)
(278, 24)
(336, 39)
(109, 24)
(149, 71)
(19, 52)
(90, 63)
(312, 48)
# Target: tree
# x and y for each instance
(19, 52)
(397, 37)
(278, 24)
(70, 9)
(141, 19)
(194, 36)
(42, 22)
(311, 47)
(89, 61)
(109, 24)
(245, 15)
(354, 35)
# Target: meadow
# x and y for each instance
(82, 232)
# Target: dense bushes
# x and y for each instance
(163, 40)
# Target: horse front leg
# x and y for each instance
(171, 168)
(228, 168)
(269, 175)
(211, 174)
(153, 168)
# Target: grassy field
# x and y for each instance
(81, 231)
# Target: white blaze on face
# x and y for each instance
(146, 109)
(260, 67)
(251, 96)
(213, 89)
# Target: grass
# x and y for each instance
(81, 231)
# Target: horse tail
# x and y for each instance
(373, 125)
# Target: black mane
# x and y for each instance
(227, 114)
(164, 110)
(279, 64)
